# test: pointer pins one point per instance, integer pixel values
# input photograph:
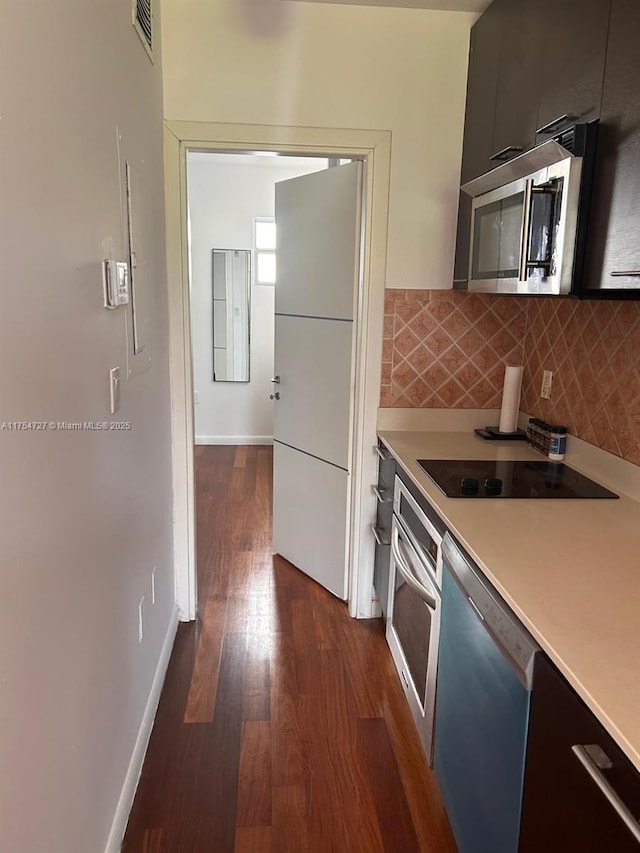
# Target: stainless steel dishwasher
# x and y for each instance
(485, 670)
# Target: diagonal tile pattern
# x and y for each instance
(449, 349)
(593, 349)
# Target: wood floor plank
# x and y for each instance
(262, 502)
(394, 816)
(227, 726)
(254, 839)
(365, 639)
(254, 781)
(256, 700)
(240, 459)
(152, 841)
(421, 790)
(239, 570)
(350, 783)
(204, 681)
(289, 806)
(306, 647)
(287, 757)
(292, 839)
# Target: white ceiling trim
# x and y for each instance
(477, 6)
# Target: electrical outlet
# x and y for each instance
(140, 623)
(153, 585)
(547, 378)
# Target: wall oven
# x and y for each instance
(529, 217)
(413, 609)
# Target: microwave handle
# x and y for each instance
(525, 264)
(525, 238)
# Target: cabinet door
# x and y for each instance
(563, 807)
(572, 60)
(614, 246)
(484, 49)
(518, 90)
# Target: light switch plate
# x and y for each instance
(114, 388)
(547, 378)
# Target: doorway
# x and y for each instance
(231, 227)
(374, 148)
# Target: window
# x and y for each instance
(264, 250)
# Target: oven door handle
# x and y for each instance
(407, 574)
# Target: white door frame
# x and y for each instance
(374, 147)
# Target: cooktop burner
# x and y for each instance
(479, 478)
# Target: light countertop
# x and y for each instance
(569, 569)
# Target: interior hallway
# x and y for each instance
(282, 725)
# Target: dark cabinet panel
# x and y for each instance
(518, 90)
(572, 60)
(563, 807)
(463, 242)
(484, 50)
(614, 243)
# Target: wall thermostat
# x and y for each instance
(115, 279)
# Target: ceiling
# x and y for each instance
(445, 5)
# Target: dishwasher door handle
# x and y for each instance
(594, 760)
(407, 574)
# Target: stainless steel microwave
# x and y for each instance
(528, 218)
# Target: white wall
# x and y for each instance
(84, 516)
(225, 193)
(328, 65)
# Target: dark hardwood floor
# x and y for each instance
(282, 726)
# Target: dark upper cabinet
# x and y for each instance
(518, 90)
(530, 62)
(572, 61)
(613, 255)
(563, 807)
(482, 82)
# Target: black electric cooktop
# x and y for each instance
(479, 478)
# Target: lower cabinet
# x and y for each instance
(382, 529)
(581, 793)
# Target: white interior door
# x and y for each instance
(319, 234)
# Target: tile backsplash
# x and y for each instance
(593, 348)
(445, 348)
(449, 349)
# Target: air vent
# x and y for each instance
(567, 139)
(143, 23)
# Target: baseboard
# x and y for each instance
(127, 794)
(234, 439)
